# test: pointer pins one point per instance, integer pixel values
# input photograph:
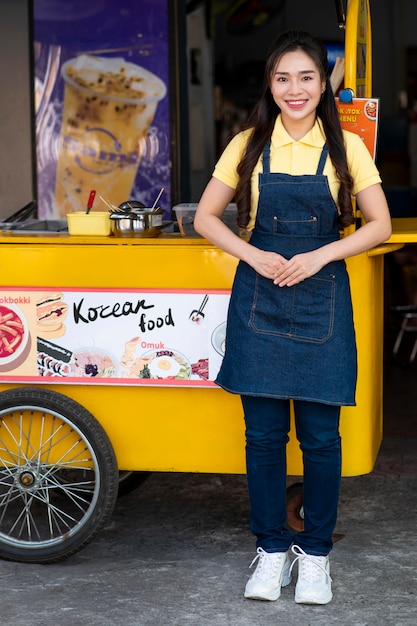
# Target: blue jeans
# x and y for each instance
(317, 426)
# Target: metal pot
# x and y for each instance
(142, 222)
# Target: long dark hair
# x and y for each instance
(263, 117)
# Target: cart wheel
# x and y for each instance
(128, 481)
(295, 510)
(58, 476)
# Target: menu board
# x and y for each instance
(102, 103)
(361, 116)
(112, 337)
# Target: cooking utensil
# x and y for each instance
(90, 200)
(29, 210)
(197, 315)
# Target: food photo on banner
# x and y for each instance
(101, 82)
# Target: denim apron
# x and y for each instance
(292, 342)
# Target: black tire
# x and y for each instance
(58, 476)
(129, 480)
(295, 510)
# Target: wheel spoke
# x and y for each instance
(10, 496)
(45, 493)
(55, 515)
(7, 450)
(24, 520)
(68, 490)
(58, 475)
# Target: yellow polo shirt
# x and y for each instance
(298, 157)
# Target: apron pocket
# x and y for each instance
(301, 227)
(304, 312)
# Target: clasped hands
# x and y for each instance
(287, 272)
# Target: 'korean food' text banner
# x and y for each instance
(113, 337)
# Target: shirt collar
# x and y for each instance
(315, 137)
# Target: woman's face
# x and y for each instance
(296, 87)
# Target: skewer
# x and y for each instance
(203, 304)
(110, 206)
(159, 195)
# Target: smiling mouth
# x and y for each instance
(296, 103)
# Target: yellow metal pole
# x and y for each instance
(368, 314)
(358, 55)
(358, 48)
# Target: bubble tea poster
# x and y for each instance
(101, 99)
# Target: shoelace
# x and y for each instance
(311, 567)
(266, 565)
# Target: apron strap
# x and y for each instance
(323, 157)
(265, 158)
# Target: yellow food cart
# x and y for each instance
(63, 441)
(71, 419)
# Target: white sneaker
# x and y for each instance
(272, 573)
(314, 585)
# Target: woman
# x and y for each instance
(290, 331)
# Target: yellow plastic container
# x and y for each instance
(94, 223)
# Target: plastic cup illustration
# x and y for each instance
(109, 105)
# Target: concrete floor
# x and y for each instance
(177, 551)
